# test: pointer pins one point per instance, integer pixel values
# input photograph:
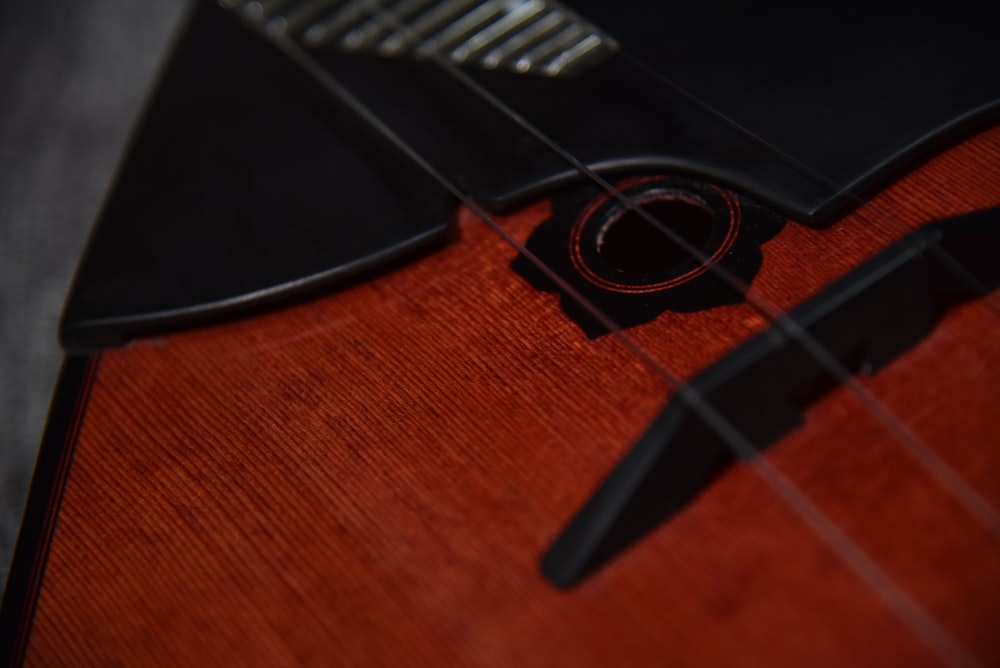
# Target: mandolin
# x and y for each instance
(526, 333)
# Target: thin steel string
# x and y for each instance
(974, 503)
(883, 215)
(920, 623)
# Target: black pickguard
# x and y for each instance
(246, 184)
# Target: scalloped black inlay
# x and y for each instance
(631, 270)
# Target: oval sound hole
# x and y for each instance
(631, 244)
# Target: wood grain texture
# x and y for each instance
(372, 477)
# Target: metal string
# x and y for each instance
(969, 498)
(884, 215)
(912, 614)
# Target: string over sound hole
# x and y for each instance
(633, 243)
(633, 266)
(682, 230)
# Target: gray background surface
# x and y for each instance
(73, 76)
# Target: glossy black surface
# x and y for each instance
(248, 183)
(801, 107)
(850, 92)
(243, 185)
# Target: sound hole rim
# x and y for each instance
(604, 211)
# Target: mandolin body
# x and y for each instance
(371, 478)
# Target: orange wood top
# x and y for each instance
(371, 478)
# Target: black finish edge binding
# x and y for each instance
(867, 318)
(244, 186)
(80, 336)
(24, 578)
